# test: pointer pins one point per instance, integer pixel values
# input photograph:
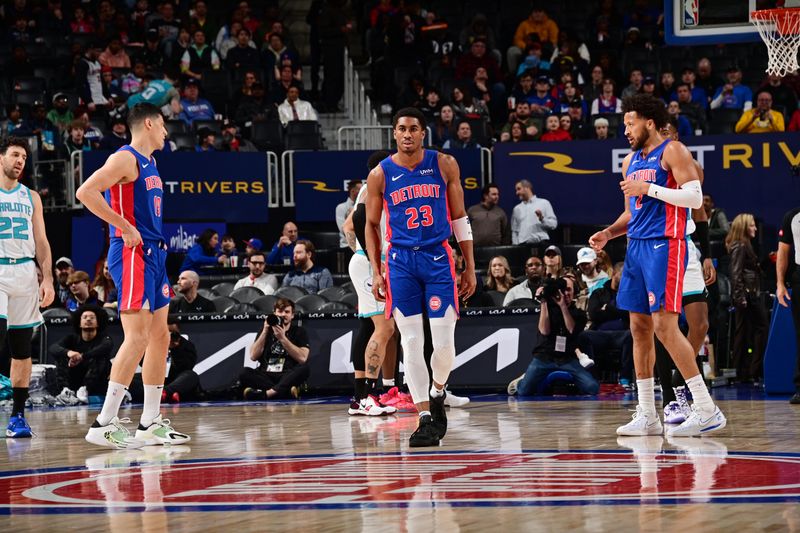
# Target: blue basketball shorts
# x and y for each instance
(417, 277)
(653, 275)
(140, 275)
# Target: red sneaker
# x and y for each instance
(163, 396)
(390, 397)
(175, 398)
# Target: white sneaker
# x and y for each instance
(369, 406)
(67, 397)
(160, 432)
(674, 414)
(641, 424)
(451, 400)
(113, 435)
(512, 387)
(584, 360)
(698, 424)
(83, 395)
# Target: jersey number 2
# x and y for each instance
(413, 215)
(13, 228)
(639, 202)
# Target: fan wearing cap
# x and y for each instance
(63, 269)
(119, 136)
(591, 272)
(542, 102)
(194, 107)
(232, 141)
(553, 262)
(87, 77)
(80, 291)
(61, 115)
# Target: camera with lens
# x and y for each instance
(274, 320)
(552, 288)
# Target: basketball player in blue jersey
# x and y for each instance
(22, 239)
(660, 183)
(420, 192)
(127, 192)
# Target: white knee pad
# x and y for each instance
(444, 348)
(412, 339)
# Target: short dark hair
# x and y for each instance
(376, 157)
(99, 313)
(140, 112)
(646, 106)
(283, 303)
(255, 253)
(352, 184)
(19, 142)
(489, 187)
(308, 245)
(411, 112)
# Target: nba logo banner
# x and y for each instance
(691, 13)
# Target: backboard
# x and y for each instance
(698, 22)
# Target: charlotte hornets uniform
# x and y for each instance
(694, 283)
(360, 270)
(139, 273)
(655, 263)
(19, 285)
(419, 264)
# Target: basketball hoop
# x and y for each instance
(780, 30)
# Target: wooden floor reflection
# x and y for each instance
(516, 465)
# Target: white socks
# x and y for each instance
(702, 399)
(647, 396)
(114, 397)
(152, 404)
(436, 393)
(389, 383)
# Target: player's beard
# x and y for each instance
(11, 173)
(640, 143)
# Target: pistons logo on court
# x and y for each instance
(701, 472)
(651, 298)
(165, 290)
(435, 303)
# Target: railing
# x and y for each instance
(273, 180)
(357, 104)
(287, 178)
(487, 175)
(369, 137)
(55, 174)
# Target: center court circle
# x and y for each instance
(124, 481)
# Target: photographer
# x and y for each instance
(182, 380)
(560, 323)
(281, 350)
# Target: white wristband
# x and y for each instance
(689, 195)
(462, 229)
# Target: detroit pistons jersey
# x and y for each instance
(652, 218)
(16, 223)
(139, 202)
(415, 203)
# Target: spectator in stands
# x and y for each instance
(204, 252)
(523, 90)
(706, 79)
(90, 133)
(609, 326)
(698, 95)
(174, 49)
(432, 105)
(192, 301)
(227, 246)
(334, 26)
(313, 278)
(733, 95)
(636, 77)
(750, 338)
(200, 19)
(81, 24)
(498, 275)
(283, 250)
(76, 141)
(521, 115)
(20, 33)
(281, 87)
(181, 381)
(794, 123)
(580, 128)
(273, 53)
(199, 57)
(463, 138)
(282, 353)
(560, 323)
(517, 134)
(649, 86)
(249, 78)
(104, 286)
(718, 225)
(63, 270)
(466, 106)
(553, 262)
(40, 127)
(232, 141)
(251, 246)
(255, 106)
(295, 109)
(607, 102)
(83, 357)
(114, 55)
(479, 28)
(532, 218)
(542, 103)
(592, 273)
(601, 129)
(684, 127)
(538, 27)
(344, 208)
(570, 96)
(205, 140)
(783, 96)
(87, 78)
(192, 106)
(694, 111)
(13, 122)
(61, 115)
(444, 126)
(762, 118)
(489, 221)
(228, 39)
(667, 85)
(594, 88)
(534, 274)
(119, 136)
(553, 130)
(152, 54)
(165, 22)
(243, 57)
(266, 283)
(80, 291)
(477, 57)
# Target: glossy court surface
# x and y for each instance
(514, 464)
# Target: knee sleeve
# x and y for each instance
(444, 350)
(411, 339)
(360, 340)
(19, 341)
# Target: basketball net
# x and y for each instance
(780, 30)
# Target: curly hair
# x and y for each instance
(648, 107)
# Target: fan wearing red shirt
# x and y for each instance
(554, 131)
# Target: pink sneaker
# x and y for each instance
(390, 397)
(403, 406)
